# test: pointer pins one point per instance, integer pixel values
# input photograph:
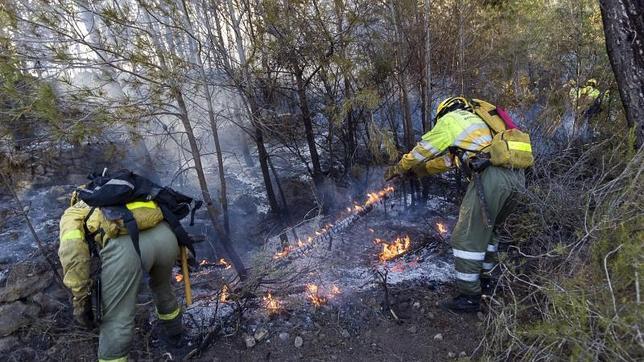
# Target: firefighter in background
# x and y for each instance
(120, 273)
(583, 97)
(459, 130)
(588, 102)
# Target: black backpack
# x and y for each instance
(112, 192)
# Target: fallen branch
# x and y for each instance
(387, 304)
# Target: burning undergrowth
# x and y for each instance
(326, 270)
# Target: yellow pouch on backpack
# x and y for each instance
(511, 148)
(146, 213)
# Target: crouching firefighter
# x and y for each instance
(116, 227)
(483, 141)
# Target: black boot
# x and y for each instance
(488, 285)
(462, 304)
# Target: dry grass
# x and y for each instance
(569, 283)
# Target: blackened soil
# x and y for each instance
(362, 331)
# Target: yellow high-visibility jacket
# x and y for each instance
(583, 97)
(73, 250)
(458, 128)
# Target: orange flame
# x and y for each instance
(224, 294)
(397, 247)
(178, 278)
(271, 304)
(441, 228)
(224, 263)
(314, 295)
(335, 290)
(372, 198)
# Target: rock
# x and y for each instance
(416, 305)
(283, 336)
(18, 288)
(438, 337)
(47, 303)
(413, 329)
(344, 333)
(260, 333)
(23, 354)
(431, 315)
(299, 342)
(451, 355)
(28, 269)
(8, 344)
(249, 340)
(462, 354)
(15, 315)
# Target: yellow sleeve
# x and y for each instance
(74, 252)
(431, 145)
(433, 166)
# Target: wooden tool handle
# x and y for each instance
(186, 274)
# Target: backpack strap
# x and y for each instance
(89, 236)
(123, 213)
(183, 238)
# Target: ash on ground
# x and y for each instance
(340, 293)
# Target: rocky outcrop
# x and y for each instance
(15, 315)
(28, 292)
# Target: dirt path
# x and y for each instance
(414, 338)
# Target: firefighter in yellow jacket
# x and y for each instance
(473, 241)
(121, 272)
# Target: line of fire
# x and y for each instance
(291, 275)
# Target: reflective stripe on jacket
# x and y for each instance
(460, 129)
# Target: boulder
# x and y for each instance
(19, 288)
(15, 315)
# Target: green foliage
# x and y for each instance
(381, 143)
(44, 105)
(577, 292)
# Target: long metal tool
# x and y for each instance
(480, 191)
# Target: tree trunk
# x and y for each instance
(624, 28)
(427, 120)
(247, 91)
(223, 195)
(201, 176)
(308, 127)
(408, 130)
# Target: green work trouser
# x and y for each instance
(121, 276)
(474, 242)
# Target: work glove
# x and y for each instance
(83, 311)
(392, 172)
